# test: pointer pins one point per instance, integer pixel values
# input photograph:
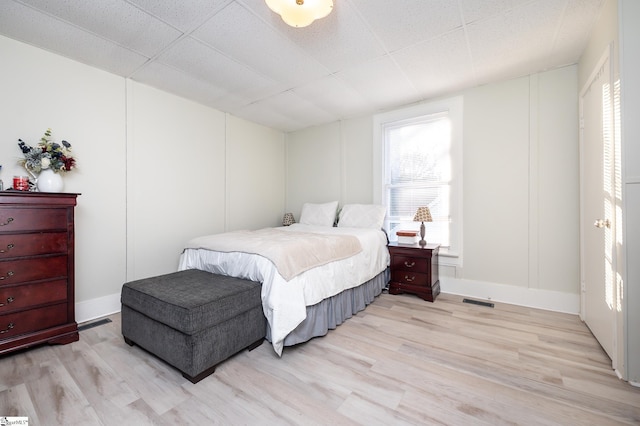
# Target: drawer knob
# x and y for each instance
(9, 247)
(408, 264)
(10, 299)
(409, 279)
(7, 222)
(9, 275)
(9, 328)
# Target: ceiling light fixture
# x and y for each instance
(300, 13)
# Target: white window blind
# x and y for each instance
(420, 158)
(419, 174)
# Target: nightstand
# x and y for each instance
(414, 269)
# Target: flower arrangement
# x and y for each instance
(47, 155)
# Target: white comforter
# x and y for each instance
(284, 302)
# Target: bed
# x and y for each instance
(314, 275)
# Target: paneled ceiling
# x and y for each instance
(367, 56)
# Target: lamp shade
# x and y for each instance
(423, 215)
(288, 219)
(300, 13)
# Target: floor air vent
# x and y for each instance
(478, 302)
(93, 324)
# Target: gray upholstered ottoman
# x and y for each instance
(193, 319)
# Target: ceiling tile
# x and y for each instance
(34, 27)
(381, 82)
(451, 71)
(268, 117)
(191, 56)
(241, 35)
(183, 15)
(232, 102)
(572, 35)
(115, 20)
(419, 20)
(340, 40)
(299, 109)
(522, 35)
(179, 83)
(332, 94)
(477, 10)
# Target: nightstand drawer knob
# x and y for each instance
(409, 264)
(409, 279)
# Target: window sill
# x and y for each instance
(448, 257)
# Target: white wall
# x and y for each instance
(496, 189)
(255, 176)
(175, 180)
(154, 170)
(556, 183)
(328, 163)
(84, 106)
(520, 201)
(356, 139)
(314, 166)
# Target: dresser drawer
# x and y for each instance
(39, 268)
(17, 323)
(409, 277)
(13, 324)
(28, 219)
(414, 264)
(32, 244)
(13, 298)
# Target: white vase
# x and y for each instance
(49, 181)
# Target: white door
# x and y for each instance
(597, 206)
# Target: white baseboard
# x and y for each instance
(97, 308)
(533, 298)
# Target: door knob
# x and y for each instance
(601, 223)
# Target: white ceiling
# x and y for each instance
(366, 56)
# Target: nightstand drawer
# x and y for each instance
(407, 263)
(409, 277)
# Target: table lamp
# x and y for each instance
(422, 215)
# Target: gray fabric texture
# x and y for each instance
(192, 319)
(192, 300)
(193, 354)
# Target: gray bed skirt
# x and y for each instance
(331, 312)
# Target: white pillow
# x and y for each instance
(362, 216)
(319, 214)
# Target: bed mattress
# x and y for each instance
(285, 302)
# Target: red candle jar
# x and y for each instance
(21, 183)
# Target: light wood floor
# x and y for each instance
(401, 361)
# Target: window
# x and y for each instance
(419, 163)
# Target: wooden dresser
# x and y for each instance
(414, 269)
(36, 269)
